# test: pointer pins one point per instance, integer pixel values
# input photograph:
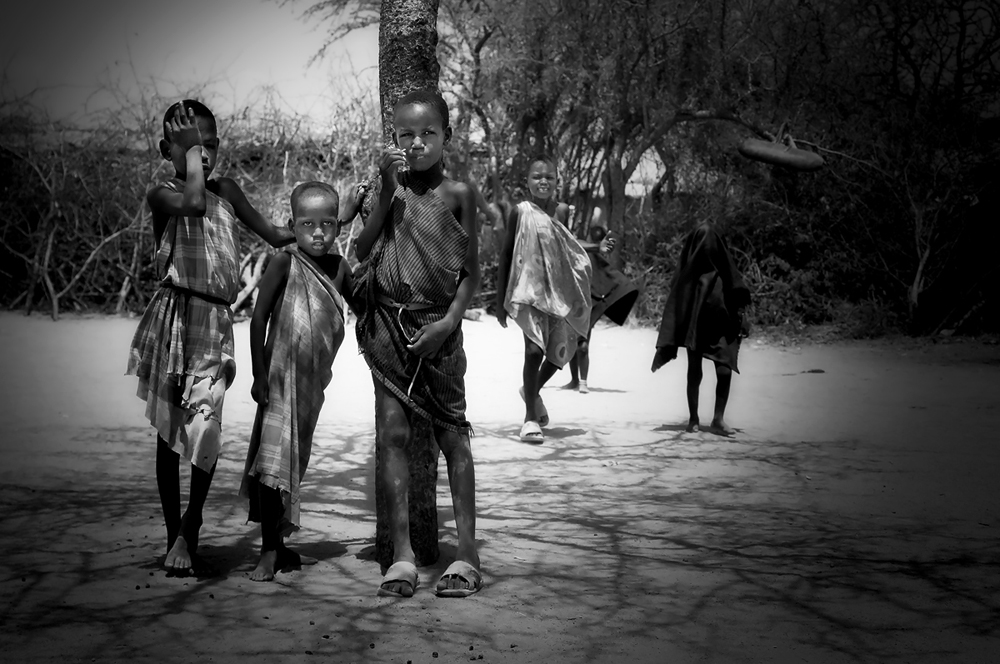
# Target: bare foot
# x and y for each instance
(571, 385)
(178, 558)
(265, 567)
(693, 426)
(720, 427)
(282, 559)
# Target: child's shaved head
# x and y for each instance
(313, 188)
(428, 98)
(196, 107)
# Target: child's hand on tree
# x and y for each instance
(183, 129)
(259, 390)
(352, 204)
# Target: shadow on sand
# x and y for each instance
(617, 545)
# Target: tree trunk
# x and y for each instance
(407, 52)
(408, 61)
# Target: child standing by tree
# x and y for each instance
(704, 313)
(419, 271)
(300, 295)
(182, 352)
(543, 283)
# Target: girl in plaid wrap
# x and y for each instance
(182, 352)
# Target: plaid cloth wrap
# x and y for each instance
(182, 351)
(418, 259)
(305, 333)
(548, 292)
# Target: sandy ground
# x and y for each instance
(854, 517)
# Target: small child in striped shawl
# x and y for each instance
(300, 309)
(182, 352)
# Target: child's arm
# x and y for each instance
(351, 205)
(562, 214)
(503, 268)
(276, 236)
(346, 281)
(269, 292)
(390, 162)
(428, 339)
(343, 281)
(164, 202)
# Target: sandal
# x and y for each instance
(399, 572)
(467, 573)
(532, 433)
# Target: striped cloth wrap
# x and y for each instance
(409, 280)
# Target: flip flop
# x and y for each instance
(467, 573)
(401, 571)
(540, 410)
(532, 433)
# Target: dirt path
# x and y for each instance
(853, 518)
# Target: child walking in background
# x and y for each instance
(704, 313)
(611, 295)
(543, 283)
(300, 296)
(182, 352)
(419, 271)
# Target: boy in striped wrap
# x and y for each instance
(300, 295)
(419, 270)
(182, 352)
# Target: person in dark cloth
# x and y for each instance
(419, 269)
(611, 295)
(705, 313)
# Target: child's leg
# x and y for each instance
(168, 484)
(271, 510)
(545, 372)
(392, 433)
(534, 357)
(183, 550)
(574, 372)
(724, 379)
(462, 480)
(693, 387)
(583, 355)
(579, 366)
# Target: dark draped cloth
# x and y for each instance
(417, 261)
(612, 293)
(702, 312)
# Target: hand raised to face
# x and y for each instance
(390, 163)
(182, 129)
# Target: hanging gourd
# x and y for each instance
(781, 152)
